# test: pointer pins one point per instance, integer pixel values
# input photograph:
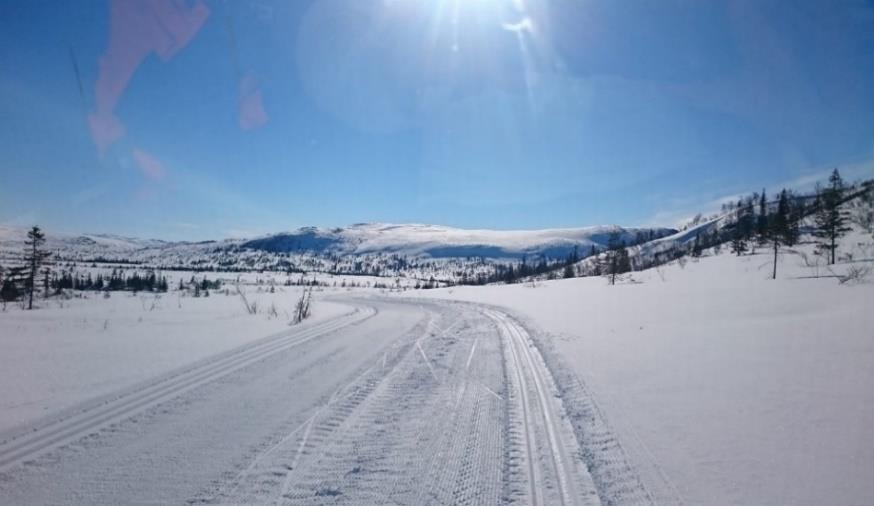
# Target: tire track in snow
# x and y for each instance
(405, 432)
(91, 419)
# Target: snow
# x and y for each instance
(417, 252)
(415, 240)
(404, 403)
(723, 386)
(445, 242)
(74, 350)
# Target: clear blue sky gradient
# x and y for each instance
(473, 113)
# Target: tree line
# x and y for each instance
(779, 224)
(116, 281)
(752, 222)
(22, 282)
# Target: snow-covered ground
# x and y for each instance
(698, 382)
(72, 350)
(722, 385)
(401, 402)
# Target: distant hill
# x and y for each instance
(419, 251)
(435, 241)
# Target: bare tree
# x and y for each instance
(302, 308)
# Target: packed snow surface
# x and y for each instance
(399, 401)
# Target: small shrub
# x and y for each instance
(856, 273)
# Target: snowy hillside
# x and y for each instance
(12, 239)
(418, 251)
(414, 240)
(445, 242)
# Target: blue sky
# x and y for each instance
(238, 118)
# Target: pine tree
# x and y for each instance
(34, 256)
(830, 218)
(743, 228)
(782, 227)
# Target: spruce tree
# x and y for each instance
(34, 256)
(830, 218)
(743, 228)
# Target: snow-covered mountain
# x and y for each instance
(425, 252)
(437, 241)
(413, 240)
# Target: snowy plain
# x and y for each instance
(722, 385)
(401, 401)
(73, 350)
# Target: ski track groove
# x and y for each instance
(605, 458)
(563, 480)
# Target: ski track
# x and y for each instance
(461, 408)
(89, 420)
(555, 475)
(605, 457)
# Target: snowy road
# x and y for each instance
(395, 402)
